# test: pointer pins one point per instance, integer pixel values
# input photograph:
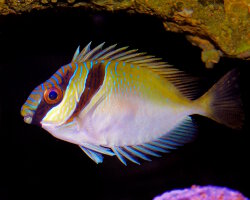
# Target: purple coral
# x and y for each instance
(202, 193)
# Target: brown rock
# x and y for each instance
(218, 27)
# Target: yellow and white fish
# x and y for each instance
(120, 102)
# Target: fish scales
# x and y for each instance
(120, 102)
(139, 107)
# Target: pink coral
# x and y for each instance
(202, 193)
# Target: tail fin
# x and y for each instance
(222, 102)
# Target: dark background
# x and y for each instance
(37, 166)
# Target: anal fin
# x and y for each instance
(96, 157)
(98, 149)
(181, 134)
(184, 132)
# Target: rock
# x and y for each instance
(219, 28)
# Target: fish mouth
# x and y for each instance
(27, 119)
(27, 115)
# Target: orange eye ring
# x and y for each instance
(53, 95)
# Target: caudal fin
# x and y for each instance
(222, 102)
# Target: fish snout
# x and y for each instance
(27, 114)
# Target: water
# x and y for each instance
(38, 166)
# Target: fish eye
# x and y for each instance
(53, 95)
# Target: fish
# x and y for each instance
(124, 103)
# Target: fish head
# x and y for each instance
(41, 100)
(53, 102)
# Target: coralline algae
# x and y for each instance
(202, 193)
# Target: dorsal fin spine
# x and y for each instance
(184, 83)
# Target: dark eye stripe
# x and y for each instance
(93, 83)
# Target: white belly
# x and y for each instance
(124, 122)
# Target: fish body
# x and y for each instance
(128, 94)
(128, 104)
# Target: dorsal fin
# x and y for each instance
(187, 85)
(85, 51)
(91, 53)
(76, 54)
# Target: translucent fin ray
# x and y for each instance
(99, 149)
(130, 56)
(93, 52)
(168, 142)
(110, 54)
(96, 157)
(154, 148)
(147, 59)
(136, 153)
(105, 51)
(85, 50)
(119, 156)
(126, 155)
(162, 145)
(76, 54)
(145, 151)
(121, 55)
